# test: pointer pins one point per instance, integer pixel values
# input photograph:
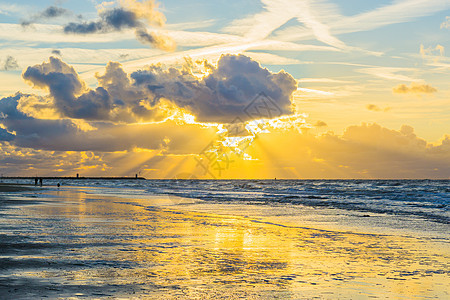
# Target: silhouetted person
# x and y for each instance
(40, 181)
(58, 185)
(35, 181)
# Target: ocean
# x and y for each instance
(420, 206)
(259, 239)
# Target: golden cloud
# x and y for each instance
(374, 107)
(415, 88)
(363, 151)
(320, 124)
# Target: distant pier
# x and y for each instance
(76, 178)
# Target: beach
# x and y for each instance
(80, 242)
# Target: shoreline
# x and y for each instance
(285, 215)
(74, 243)
(15, 187)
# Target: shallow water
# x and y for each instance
(409, 207)
(89, 244)
(420, 199)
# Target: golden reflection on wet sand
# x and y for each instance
(102, 246)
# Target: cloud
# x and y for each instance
(10, 8)
(115, 108)
(262, 24)
(64, 85)
(323, 80)
(439, 50)
(147, 10)
(374, 107)
(31, 132)
(310, 92)
(159, 41)
(363, 151)
(5, 136)
(115, 99)
(277, 13)
(53, 34)
(446, 23)
(9, 64)
(225, 93)
(320, 124)
(52, 12)
(389, 73)
(110, 20)
(49, 13)
(395, 12)
(56, 52)
(130, 15)
(415, 88)
(66, 135)
(230, 90)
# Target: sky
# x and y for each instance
(215, 89)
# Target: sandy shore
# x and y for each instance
(71, 243)
(9, 187)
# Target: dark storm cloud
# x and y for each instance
(5, 136)
(225, 93)
(134, 15)
(110, 20)
(49, 13)
(64, 84)
(143, 36)
(52, 12)
(369, 148)
(114, 100)
(65, 135)
(32, 132)
(56, 52)
(10, 63)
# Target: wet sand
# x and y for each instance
(8, 187)
(71, 243)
